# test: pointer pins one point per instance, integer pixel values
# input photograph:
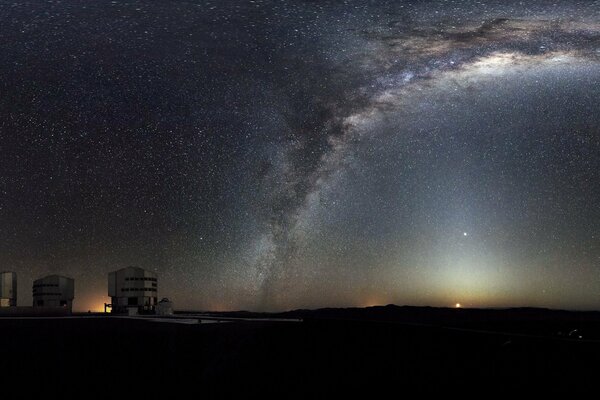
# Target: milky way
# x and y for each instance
(272, 155)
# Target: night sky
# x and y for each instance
(268, 155)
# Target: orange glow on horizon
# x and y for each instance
(372, 302)
(94, 304)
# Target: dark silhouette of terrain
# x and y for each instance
(331, 351)
(525, 320)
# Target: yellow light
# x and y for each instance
(457, 305)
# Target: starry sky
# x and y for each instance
(269, 155)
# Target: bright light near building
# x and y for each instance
(457, 305)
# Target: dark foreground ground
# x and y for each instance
(331, 351)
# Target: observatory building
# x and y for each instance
(164, 307)
(133, 290)
(8, 289)
(54, 291)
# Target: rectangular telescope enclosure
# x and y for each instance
(54, 291)
(133, 290)
(8, 289)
